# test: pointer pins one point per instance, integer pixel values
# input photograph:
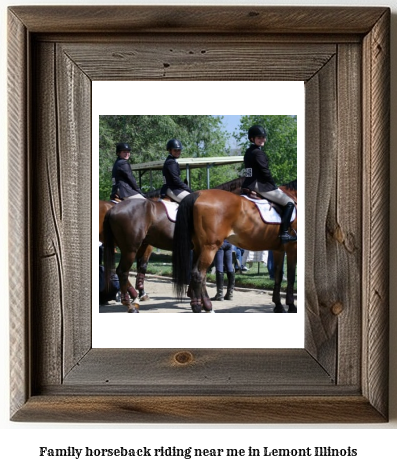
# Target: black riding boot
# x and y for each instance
(230, 285)
(285, 223)
(219, 287)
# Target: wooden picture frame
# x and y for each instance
(342, 54)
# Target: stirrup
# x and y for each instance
(286, 237)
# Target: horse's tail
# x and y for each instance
(108, 254)
(182, 245)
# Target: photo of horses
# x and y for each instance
(216, 211)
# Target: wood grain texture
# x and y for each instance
(320, 173)
(74, 155)
(176, 58)
(48, 279)
(198, 409)
(62, 223)
(205, 370)
(19, 227)
(333, 207)
(341, 375)
(198, 20)
(376, 149)
(346, 227)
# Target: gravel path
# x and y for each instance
(162, 299)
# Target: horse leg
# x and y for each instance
(198, 288)
(198, 293)
(194, 288)
(142, 259)
(123, 271)
(278, 258)
(205, 299)
(207, 257)
(291, 270)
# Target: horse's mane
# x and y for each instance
(291, 189)
(291, 185)
(153, 194)
(234, 186)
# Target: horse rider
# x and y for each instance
(259, 179)
(124, 183)
(173, 186)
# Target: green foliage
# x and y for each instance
(201, 136)
(280, 146)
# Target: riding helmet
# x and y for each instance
(256, 131)
(174, 144)
(122, 146)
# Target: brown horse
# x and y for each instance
(208, 217)
(142, 257)
(104, 207)
(135, 226)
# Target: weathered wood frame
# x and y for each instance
(342, 54)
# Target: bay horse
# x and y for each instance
(104, 207)
(135, 226)
(208, 217)
(142, 255)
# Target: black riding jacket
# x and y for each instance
(124, 183)
(257, 170)
(172, 177)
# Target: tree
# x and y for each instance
(201, 136)
(280, 146)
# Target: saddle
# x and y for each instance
(171, 208)
(255, 196)
(251, 194)
(166, 198)
(116, 199)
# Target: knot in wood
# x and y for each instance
(338, 235)
(183, 358)
(337, 308)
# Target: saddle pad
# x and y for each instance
(171, 208)
(267, 211)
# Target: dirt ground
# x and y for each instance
(162, 299)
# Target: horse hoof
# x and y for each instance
(133, 307)
(278, 308)
(144, 297)
(292, 308)
(207, 305)
(196, 308)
